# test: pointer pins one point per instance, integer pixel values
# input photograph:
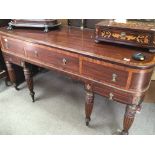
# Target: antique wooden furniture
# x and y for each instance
(141, 34)
(105, 69)
(34, 23)
(3, 72)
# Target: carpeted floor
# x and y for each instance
(59, 109)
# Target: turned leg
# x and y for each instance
(129, 118)
(29, 80)
(89, 102)
(11, 73)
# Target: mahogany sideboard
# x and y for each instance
(105, 69)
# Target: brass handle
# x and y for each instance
(114, 76)
(111, 95)
(64, 61)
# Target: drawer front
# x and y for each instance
(104, 73)
(114, 94)
(140, 81)
(51, 56)
(13, 45)
(141, 38)
(12, 59)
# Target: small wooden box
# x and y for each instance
(134, 33)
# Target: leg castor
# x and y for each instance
(87, 121)
(16, 88)
(32, 96)
(124, 133)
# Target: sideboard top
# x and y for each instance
(82, 42)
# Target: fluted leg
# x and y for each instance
(29, 80)
(128, 118)
(89, 102)
(11, 73)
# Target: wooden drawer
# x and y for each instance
(104, 73)
(114, 94)
(60, 59)
(12, 59)
(140, 81)
(13, 45)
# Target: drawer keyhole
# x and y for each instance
(64, 61)
(114, 76)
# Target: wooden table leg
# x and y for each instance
(11, 73)
(29, 80)
(128, 118)
(89, 102)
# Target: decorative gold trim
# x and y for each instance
(142, 39)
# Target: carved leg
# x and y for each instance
(89, 102)
(11, 73)
(129, 118)
(29, 80)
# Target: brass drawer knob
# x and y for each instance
(64, 61)
(111, 95)
(114, 76)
